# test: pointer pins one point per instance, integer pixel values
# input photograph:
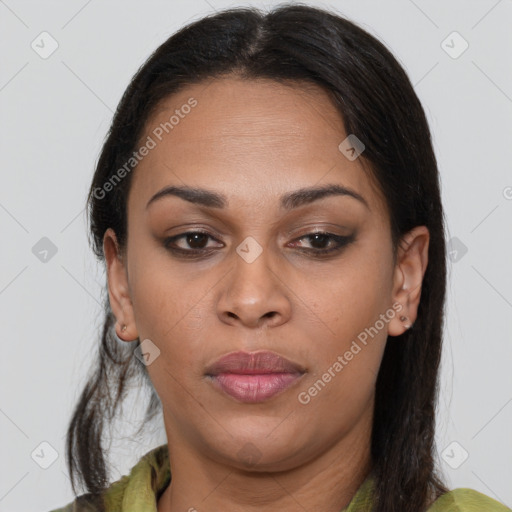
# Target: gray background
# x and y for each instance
(55, 113)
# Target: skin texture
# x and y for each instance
(254, 141)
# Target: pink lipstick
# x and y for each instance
(253, 377)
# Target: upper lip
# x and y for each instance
(253, 363)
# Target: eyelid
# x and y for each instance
(340, 242)
(318, 228)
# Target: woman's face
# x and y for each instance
(263, 281)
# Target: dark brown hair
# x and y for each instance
(302, 45)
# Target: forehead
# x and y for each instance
(257, 139)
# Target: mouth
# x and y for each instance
(253, 377)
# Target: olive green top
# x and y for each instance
(140, 490)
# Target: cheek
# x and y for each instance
(161, 295)
(350, 298)
(169, 311)
(347, 358)
(349, 350)
(172, 308)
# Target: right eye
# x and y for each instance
(195, 240)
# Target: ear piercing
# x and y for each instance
(123, 328)
(403, 319)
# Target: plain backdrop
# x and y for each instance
(55, 112)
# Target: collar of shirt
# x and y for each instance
(140, 490)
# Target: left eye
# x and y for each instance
(321, 240)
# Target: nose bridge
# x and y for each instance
(253, 289)
(252, 276)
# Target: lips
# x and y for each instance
(255, 363)
(253, 377)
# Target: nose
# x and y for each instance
(254, 294)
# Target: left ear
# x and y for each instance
(411, 263)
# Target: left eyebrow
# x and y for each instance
(288, 201)
(308, 195)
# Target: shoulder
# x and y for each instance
(82, 503)
(146, 480)
(467, 500)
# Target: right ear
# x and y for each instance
(118, 288)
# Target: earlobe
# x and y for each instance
(118, 289)
(411, 264)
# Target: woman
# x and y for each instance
(267, 206)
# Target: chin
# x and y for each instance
(261, 452)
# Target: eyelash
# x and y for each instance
(341, 243)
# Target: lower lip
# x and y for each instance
(254, 388)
